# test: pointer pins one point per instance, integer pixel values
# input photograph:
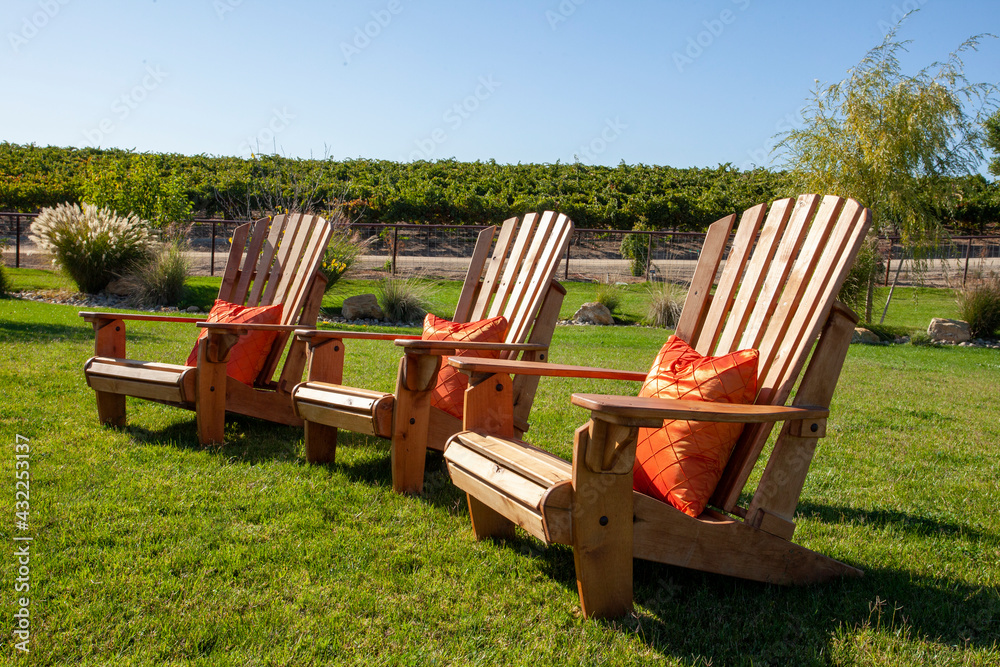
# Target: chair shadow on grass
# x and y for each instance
(247, 440)
(687, 612)
(37, 332)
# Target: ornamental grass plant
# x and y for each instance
(609, 294)
(403, 299)
(979, 305)
(666, 299)
(92, 245)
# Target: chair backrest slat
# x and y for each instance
(470, 288)
(233, 272)
(286, 258)
(699, 294)
(517, 275)
(816, 303)
(247, 258)
(500, 251)
(277, 266)
(778, 270)
(533, 284)
(521, 269)
(312, 255)
(729, 281)
(507, 269)
(774, 339)
(754, 274)
(265, 259)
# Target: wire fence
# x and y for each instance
(443, 251)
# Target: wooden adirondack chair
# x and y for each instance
(271, 262)
(777, 295)
(516, 282)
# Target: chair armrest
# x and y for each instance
(478, 365)
(651, 412)
(319, 335)
(96, 317)
(246, 326)
(445, 347)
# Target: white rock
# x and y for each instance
(864, 336)
(942, 330)
(593, 313)
(361, 307)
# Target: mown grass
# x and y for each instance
(149, 549)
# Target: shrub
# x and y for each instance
(92, 245)
(160, 280)
(635, 248)
(979, 305)
(136, 184)
(402, 299)
(609, 294)
(922, 339)
(867, 267)
(341, 253)
(666, 300)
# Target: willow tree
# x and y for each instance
(889, 139)
(993, 141)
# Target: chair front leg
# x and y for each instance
(489, 408)
(210, 393)
(109, 341)
(411, 420)
(326, 364)
(603, 455)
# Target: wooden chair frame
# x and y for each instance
(777, 293)
(514, 278)
(271, 261)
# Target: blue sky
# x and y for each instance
(667, 83)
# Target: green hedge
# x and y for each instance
(444, 191)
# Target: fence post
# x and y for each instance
(566, 262)
(395, 245)
(649, 253)
(888, 262)
(17, 242)
(211, 270)
(968, 253)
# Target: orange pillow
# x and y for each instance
(449, 393)
(681, 462)
(247, 357)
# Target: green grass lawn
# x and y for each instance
(149, 549)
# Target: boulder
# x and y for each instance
(361, 307)
(593, 313)
(942, 330)
(865, 336)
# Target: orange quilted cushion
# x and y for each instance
(247, 357)
(681, 463)
(449, 393)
